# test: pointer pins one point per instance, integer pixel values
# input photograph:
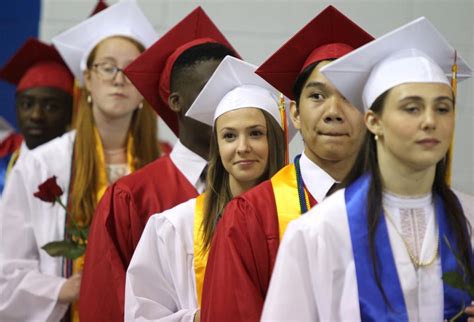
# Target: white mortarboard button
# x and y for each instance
(234, 85)
(121, 19)
(415, 52)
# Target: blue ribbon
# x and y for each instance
(300, 185)
(371, 302)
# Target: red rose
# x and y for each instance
(49, 190)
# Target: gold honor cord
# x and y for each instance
(284, 123)
(454, 85)
(13, 159)
(200, 252)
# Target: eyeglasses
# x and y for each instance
(108, 71)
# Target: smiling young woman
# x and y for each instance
(247, 134)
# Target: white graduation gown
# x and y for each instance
(161, 283)
(314, 278)
(30, 279)
(23, 151)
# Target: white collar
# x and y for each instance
(188, 162)
(398, 201)
(316, 180)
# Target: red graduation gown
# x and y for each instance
(116, 228)
(10, 144)
(242, 257)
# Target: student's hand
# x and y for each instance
(197, 316)
(70, 290)
(470, 312)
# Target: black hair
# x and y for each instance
(194, 55)
(301, 80)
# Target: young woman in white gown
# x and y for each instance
(115, 134)
(165, 277)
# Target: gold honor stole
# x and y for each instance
(200, 254)
(103, 183)
(285, 189)
(103, 180)
(13, 159)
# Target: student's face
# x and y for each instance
(190, 86)
(243, 145)
(112, 97)
(43, 113)
(416, 125)
(332, 129)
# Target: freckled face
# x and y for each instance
(116, 97)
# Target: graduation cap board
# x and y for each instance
(121, 19)
(37, 64)
(415, 52)
(330, 35)
(235, 85)
(151, 72)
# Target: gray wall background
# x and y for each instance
(258, 28)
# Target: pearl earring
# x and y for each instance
(89, 99)
(140, 106)
(376, 137)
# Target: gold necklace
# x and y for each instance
(416, 261)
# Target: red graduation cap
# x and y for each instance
(151, 71)
(101, 5)
(329, 35)
(37, 64)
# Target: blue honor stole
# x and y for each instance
(371, 302)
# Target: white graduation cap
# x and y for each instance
(235, 85)
(121, 19)
(413, 53)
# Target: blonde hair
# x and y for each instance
(84, 177)
(218, 192)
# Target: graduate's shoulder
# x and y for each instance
(467, 203)
(177, 220)
(178, 216)
(52, 158)
(148, 174)
(254, 210)
(55, 150)
(259, 197)
(326, 218)
(467, 200)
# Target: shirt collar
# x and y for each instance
(316, 180)
(188, 162)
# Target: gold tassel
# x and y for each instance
(284, 122)
(454, 70)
